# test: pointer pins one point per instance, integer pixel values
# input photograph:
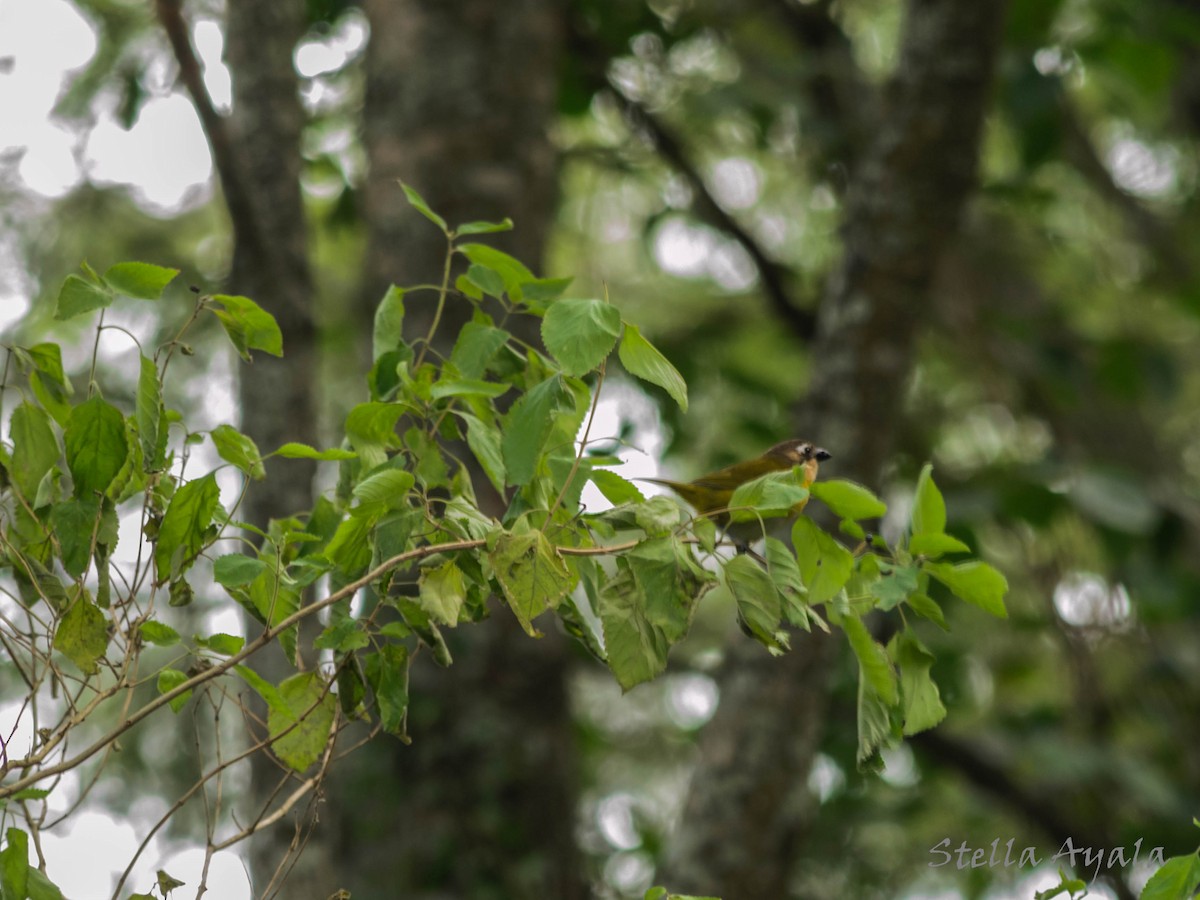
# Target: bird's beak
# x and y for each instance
(821, 454)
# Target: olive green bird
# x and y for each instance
(711, 494)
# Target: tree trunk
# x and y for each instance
(460, 97)
(270, 265)
(749, 807)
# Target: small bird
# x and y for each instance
(710, 494)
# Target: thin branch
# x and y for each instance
(802, 322)
(237, 196)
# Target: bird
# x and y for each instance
(711, 494)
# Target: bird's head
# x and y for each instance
(796, 453)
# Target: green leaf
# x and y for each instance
(785, 573)
(96, 445)
(759, 605)
(484, 441)
(443, 592)
(512, 271)
(261, 686)
(14, 864)
(31, 794)
(484, 227)
(388, 487)
(475, 348)
(616, 490)
(151, 416)
(249, 326)
(344, 636)
(371, 430)
(42, 888)
(159, 634)
(35, 448)
(181, 593)
(894, 588)
(387, 671)
(73, 522)
(848, 500)
(532, 575)
(933, 545)
(167, 883)
(182, 533)
(240, 450)
(773, 494)
(1178, 877)
(641, 359)
(922, 704)
(295, 450)
(388, 334)
(418, 203)
(929, 509)
(927, 608)
(875, 729)
(141, 280)
(581, 333)
(47, 379)
(82, 635)
(222, 644)
(485, 281)
(78, 296)
(545, 290)
(300, 725)
(349, 549)
(657, 516)
(976, 582)
(873, 660)
(429, 464)
(236, 570)
(467, 387)
(825, 565)
(635, 646)
(648, 607)
(527, 426)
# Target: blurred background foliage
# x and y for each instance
(704, 152)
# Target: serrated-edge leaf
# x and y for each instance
(825, 565)
(616, 490)
(580, 333)
(239, 450)
(159, 633)
(184, 524)
(78, 296)
(527, 426)
(1177, 878)
(300, 726)
(643, 360)
(96, 445)
(82, 635)
(388, 487)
